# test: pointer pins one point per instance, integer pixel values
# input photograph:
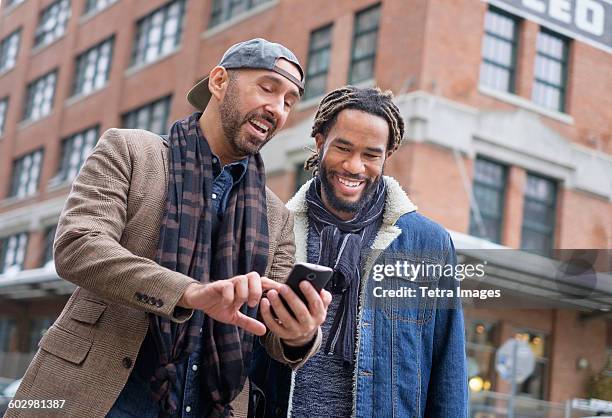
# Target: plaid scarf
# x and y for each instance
(185, 246)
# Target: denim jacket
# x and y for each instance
(410, 357)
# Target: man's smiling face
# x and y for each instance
(256, 106)
(352, 158)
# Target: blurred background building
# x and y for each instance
(508, 105)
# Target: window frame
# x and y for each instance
(40, 33)
(23, 239)
(4, 105)
(329, 27)
(514, 50)
(16, 174)
(150, 108)
(4, 46)
(473, 228)
(81, 64)
(564, 63)
(90, 10)
(30, 96)
(65, 167)
(356, 34)
(224, 8)
(144, 25)
(539, 228)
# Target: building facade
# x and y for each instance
(508, 107)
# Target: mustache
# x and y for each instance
(264, 116)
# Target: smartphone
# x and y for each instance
(318, 276)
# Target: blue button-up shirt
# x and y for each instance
(225, 178)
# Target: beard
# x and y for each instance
(342, 205)
(232, 121)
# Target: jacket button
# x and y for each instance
(127, 362)
(152, 301)
(159, 303)
(278, 411)
(138, 296)
(145, 298)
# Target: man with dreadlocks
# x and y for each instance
(168, 240)
(379, 357)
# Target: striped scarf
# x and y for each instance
(341, 246)
(185, 246)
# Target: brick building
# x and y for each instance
(508, 107)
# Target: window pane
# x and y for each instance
(224, 10)
(538, 214)
(25, 174)
(318, 62)
(12, 252)
(152, 117)
(92, 6)
(9, 47)
(365, 36)
(3, 111)
(93, 68)
(488, 192)
(498, 51)
(550, 71)
(53, 22)
(158, 33)
(40, 94)
(75, 150)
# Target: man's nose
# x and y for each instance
(353, 164)
(276, 109)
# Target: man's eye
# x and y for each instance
(343, 149)
(288, 104)
(266, 89)
(371, 156)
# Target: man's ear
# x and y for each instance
(218, 80)
(320, 142)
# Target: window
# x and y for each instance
(224, 10)
(8, 50)
(48, 249)
(152, 117)
(74, 151)
(550, 71)
(12, 252)
(481, 344)
(39, 97)
(499, 47)
(539, 215)
(536, 384)
(93, 67)
(26, 173)
(38, 327)
(92, 6)
(8, 334)
(364, 45)
(52, 24)
(318, 62)
(3, 111)
(488, 193)
(10, 3)
(158, 33)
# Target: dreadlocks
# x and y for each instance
(369, 100)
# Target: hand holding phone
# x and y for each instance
(295, 312)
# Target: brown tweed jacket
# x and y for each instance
(106, 239)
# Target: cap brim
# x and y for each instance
(199, 95)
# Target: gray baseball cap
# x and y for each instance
(254, 53)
